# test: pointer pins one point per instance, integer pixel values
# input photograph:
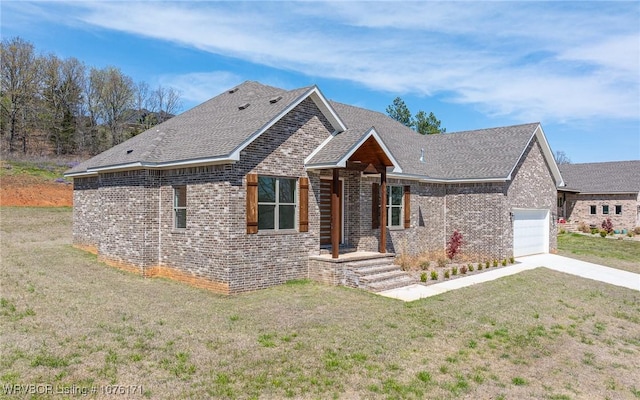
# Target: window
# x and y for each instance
(618, 210)
(276, 203)
(592, 210)
(180, 207)
(605, 209)
(394, 206)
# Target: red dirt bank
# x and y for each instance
(33, 192)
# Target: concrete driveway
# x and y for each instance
(557, 263)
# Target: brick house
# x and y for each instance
(261, 185)
(597, 191)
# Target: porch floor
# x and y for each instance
(351, 256)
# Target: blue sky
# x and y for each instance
(573, 66)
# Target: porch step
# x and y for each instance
(401, 281)
(376, 274)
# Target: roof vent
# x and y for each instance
(243, 106)
(129, 151)
(422, 155)
(275, 99)
(235, 89)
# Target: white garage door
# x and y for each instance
(530, 232)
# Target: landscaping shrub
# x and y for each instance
(562, 231)
(636, 230)
(442, 262)
(504, 262)
(479, 266)
(495, 263)
(603, 233)
(446, 274)
(487, 264)
(454, 244)
(607, 225)
(470, 267)
(424, 265)
(594, 231)
(434, 275)
(512, 260)
(582, 227)
(423, 277)
(463, 269)
(454, 271)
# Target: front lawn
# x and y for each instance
(622, 254)
(74, 323)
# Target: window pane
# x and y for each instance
(287, 217)
(605, 209)
(287, 191)
(266, 216)
(395, 216)
(181, 218)
(593, 209)
(266, 189)
(180, 196)
(618, 209)
(396, 195)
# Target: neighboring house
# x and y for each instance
(250, 188)
(597, 191)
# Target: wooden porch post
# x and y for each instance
(383, 211)
(335, 214)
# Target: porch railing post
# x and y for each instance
(383, 211)
(335, 214)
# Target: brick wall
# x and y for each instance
(267, 258)
(578, 208)
(478, 211)
(86, 213)
(533, 186)
(128, 218)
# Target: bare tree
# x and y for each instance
(113, 99)
(166, 102)
(561, 157)
(62, 95)
(18, 89)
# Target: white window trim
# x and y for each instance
(176, 208)
(277, 203)
(390, 206)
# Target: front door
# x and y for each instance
(325, 211)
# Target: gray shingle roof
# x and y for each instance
(603, 177)
(479, 154)
(215, 128)
(218, 127)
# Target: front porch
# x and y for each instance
(358, 269)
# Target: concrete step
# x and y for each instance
(382, 276)
(379, 274)
(400, 281)
(375, 269)
(359, 264)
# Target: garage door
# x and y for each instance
(530, 232)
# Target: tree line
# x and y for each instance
(72, 107)
(421, 122)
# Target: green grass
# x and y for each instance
(92, 325)
(47, 170)
(622, 254)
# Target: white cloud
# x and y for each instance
(198, 86)
(562, 61)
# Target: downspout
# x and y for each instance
(444, 214)
(159, 221)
